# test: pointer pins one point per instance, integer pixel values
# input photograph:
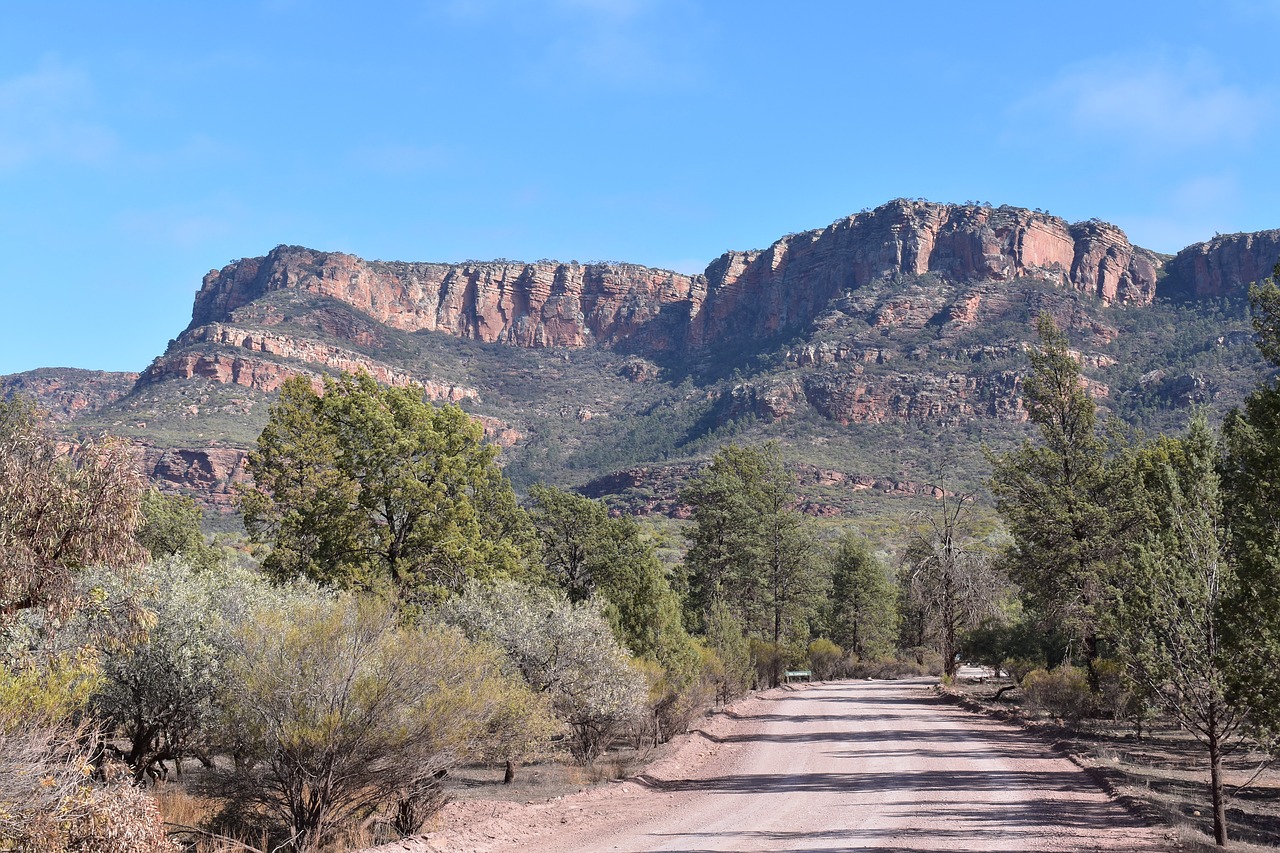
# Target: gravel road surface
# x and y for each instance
(872, 766)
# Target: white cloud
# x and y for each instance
(1150, 104)
(45, 115)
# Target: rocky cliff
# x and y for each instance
(544, 304)
(66, 393)
(754, 294)
(905, 326)
(1221, 267)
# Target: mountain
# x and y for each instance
(880, 350)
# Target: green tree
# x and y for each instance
(375, 488)
(171, 527)
(751, 548)
(863, 608)
(1057, 496)
(1167, 616)
(1250, 470)
(588, 553)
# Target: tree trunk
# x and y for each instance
(510, 775)
(777, 644)
(1215, 781)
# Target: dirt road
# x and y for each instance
(873, 766)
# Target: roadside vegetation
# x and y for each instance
(401, 614)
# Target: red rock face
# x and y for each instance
(267, 375)
(755, 294)
(529, 305)
(761, 293)
(211, 472)
(65, 394)
(1223, 266)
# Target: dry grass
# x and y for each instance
(1164, 773)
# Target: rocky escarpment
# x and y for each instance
(1221, 267)
(229, 354)
(66, 393)
(742, 294)
(853, 398)
(762, 293)
(544, 304)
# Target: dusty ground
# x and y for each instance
(1166, 771)
(882, 766)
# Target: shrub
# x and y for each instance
(159, 688)
(566, 651)
(335, 709)
(731, 668)
(888, 667)
(824, 658)
(50, 800)
(1062, 692)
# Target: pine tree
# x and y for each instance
(1250, 470)
(1167, 615)
(1057, 496)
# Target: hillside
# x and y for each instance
(881, 350)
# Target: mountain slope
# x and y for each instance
(877, 349)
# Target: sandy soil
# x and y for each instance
(881, 766)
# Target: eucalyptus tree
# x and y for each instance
(950, 577)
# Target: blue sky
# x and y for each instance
(142, 144)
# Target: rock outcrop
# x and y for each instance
(544, 304)
(788, 284)
(67, 393)
(211, 472)
(1223, 266)
(754, 294)
(234, 359)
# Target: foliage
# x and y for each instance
(159, 691)
(1017, 646)
(60, 510)
(733, 669)
(1250, 471)
(1057, 496)
(171, 526)
(1166, 621)
(334, 708)
(51, 691)
(1063, 692)
(374, 488)
(562, 649)
(587, 553)
(50, 802)
(862, 612)
(750, 548)
(824, 658)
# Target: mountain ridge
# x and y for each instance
(914, 313)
